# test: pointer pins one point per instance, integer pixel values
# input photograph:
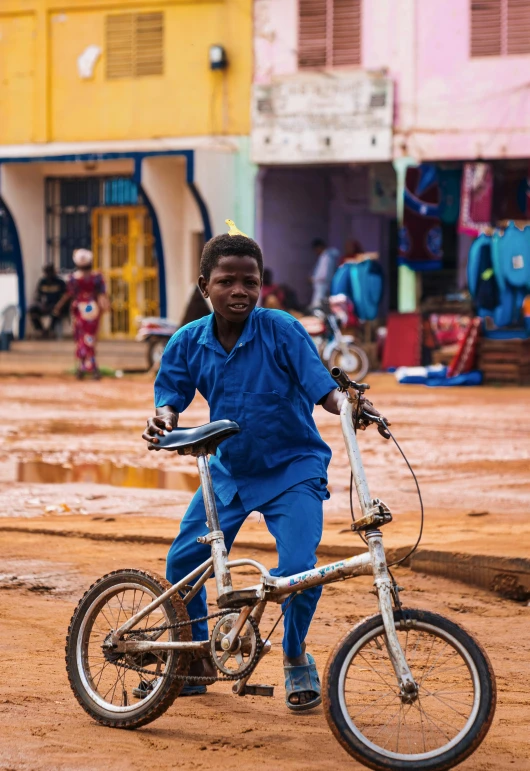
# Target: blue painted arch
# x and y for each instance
(137, 157)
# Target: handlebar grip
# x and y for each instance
(340, 377)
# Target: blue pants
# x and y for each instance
(294, 518)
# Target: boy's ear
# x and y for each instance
(203, 286)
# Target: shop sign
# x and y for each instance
(323, 117)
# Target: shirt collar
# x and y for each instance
(209, 339)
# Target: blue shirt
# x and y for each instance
(269, 384)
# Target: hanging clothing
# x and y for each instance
(476, 198)
(85, 289)
(420, 237)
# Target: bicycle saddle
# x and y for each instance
(195, 441)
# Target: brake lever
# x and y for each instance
(381, 428)
(367, 418)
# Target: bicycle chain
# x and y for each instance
(199, 679)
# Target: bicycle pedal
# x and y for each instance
(256, 689)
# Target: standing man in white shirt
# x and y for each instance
(325, 267)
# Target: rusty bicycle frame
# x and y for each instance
(252, 600)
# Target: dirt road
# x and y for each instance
(84, 439)
(43, 728)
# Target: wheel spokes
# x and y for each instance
(109, 675)
(373, 700)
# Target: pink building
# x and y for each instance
(348, 91)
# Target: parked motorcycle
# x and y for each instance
(156, 332)
(335, 348)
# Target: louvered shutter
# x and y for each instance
(135, 45)
(486, 33)
(518, 27)
(346, 32)
(120, 45)
(312, 33)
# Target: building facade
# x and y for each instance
(349, 94)
(124, 128)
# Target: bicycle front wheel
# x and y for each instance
(444, 725)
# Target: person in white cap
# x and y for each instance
(86, 290)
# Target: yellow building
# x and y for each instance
(123, 128)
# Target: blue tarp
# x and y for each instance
(436, 376)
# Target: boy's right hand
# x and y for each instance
(166, 419)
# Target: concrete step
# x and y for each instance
(38, 357)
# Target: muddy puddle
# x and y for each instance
(106, 473)
(41, 577)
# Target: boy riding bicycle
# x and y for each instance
(259, 368)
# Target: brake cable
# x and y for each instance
(422, 513)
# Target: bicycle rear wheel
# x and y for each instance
(105, 683)
(447, 721)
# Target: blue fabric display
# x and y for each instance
(498, 273)
(511, 256)
(364, 283)
(436, 376)
(341, 283)
(367, 286)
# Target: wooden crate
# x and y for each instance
(505, 361)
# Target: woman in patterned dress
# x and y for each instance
(86, 290)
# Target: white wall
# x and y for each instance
(22, 189)
(164, 181)
(8, 290)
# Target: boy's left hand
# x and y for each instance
(335, 399)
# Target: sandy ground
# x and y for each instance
(471, 452)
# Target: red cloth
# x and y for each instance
(403, 340)
(476, 198)
(84, 290)
(464, 359)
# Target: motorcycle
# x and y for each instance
(335, 348)
(324, 326)
(156, 332)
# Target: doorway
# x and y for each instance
(124, 252)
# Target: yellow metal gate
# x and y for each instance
(123, 245)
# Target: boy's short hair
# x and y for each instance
(228, 246)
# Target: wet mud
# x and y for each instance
(72, 452)
(44, 729)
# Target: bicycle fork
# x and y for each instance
(383, 586)
(382, 581)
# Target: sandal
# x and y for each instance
(302, 679)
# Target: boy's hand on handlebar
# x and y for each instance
(367, 411)
(166, 419)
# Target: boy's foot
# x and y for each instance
(302, 684)
(144, 688)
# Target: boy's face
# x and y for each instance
(233, 287)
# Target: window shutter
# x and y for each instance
(312, 33)
(120, 45)
(346, 32)
(135, 45)
(518, 27)
(149, 59)
(486, 33)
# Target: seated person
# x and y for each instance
(272, 295)
(49, 291)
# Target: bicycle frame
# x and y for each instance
(276, 589)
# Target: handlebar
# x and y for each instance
(344, 382)
(365, 418)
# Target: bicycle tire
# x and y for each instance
(358, 373)
(361, 747)
(168, 688)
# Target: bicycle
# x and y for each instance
(404, 690)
